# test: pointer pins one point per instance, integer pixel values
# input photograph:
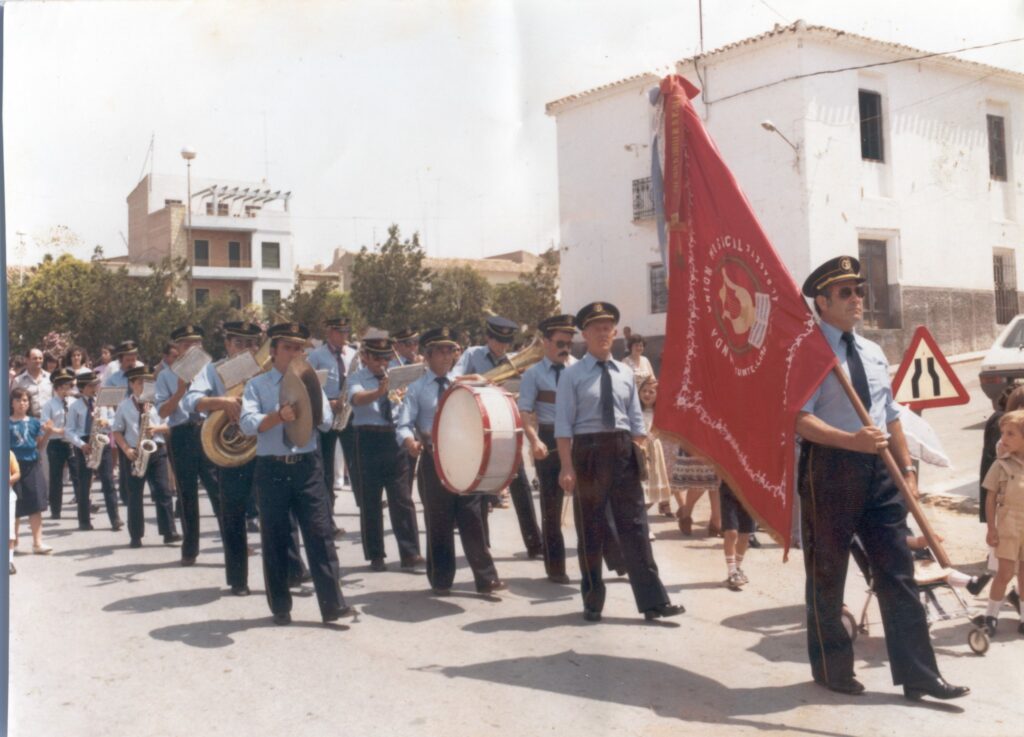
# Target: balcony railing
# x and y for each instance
(643, 201)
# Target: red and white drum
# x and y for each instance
(478, 439)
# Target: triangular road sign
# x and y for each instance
(925, 378)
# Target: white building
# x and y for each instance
(240, 243)
(912, 166)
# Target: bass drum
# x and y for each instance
(478, 439)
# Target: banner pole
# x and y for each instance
(913, 506)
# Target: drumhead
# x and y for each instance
(459, 438)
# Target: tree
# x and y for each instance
(533, 297)
(388, 284)
(457, 298)
(312, 308)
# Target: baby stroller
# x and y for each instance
(932, 582)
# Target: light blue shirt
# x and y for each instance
(578, 403)
(420, 405)
(126, 422)
(477, 359)
(206, 384)
(322, 357)
(117, 378)
(829, 402)
(399, 361)
(363, 380)
(259, 400)
(55, 412)
(166, 385)
(540, 377)
(77, 416)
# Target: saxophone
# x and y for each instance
(97, 442)
(146, 446)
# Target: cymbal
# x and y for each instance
(296, 389)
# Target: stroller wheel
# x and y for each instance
(978, 640)
(850, 624)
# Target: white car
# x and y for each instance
(1004, 362)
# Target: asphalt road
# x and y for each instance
(106, 640)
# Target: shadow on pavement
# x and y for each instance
(218, 632)
(540, 623)
(667, 690)
(404, 606)
(130, 573)
(164, 600)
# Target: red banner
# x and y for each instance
(742, 351)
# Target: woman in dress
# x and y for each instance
(27, 436)
(636, 359)
(690, 477)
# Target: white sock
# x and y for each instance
(730, 561)
(993, 608)
(956, 578)
(739, 560)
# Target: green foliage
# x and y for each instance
(388, 284)
(312, 308)
(533, 297)
(457, 298)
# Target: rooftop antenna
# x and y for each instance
(700, 19)
(149, 157)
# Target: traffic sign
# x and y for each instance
(925, 378)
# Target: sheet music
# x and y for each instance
(110, 396)
(238, 369)
(400, 377)
(148, 391)
(321, 375)
(187, 367)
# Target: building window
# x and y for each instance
(252, 211)
(202, 296)
(871, 147)
(1004, 271)
(234, 254)
(659, 288)
(271, 255)
(235, 299)
(643, 202)
(271, 301)
(209, 208)
(874, 269)
(222, 208)
(202, 253)
(996, 148)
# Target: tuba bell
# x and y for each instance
(512, 366)
(223, 441)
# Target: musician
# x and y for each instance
(53, 417)
(207, 394)
(845, 489)
(406, 342)
(380, 464)
(336, 356)
(84, 417)
(479, 360)
(598, 427)
(127, 354)
(290, 480)
(125, 434)
(537, 407)
(442, 509)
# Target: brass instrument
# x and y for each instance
(98, 441)
(223, 441)
(512, 366)
(146, 446)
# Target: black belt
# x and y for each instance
(289, 459)
(546, 428)
(375, 428)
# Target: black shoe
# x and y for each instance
(339, 533)
(116, 525)
(665, 610)
(1014, 598)
(977, 584)
(754, 542)
(440, 591)
(339, 613)
(242, 590)
(135, 543)
(172, 539)
(621, 571)
(558, 578)
(296, 581)
(416, 560)
(849, 686)
(491, 587)
(937, 689)
(990, 626)
(252, 526)
(591, 615)
(94, 508)
(188, 561)
(86, 528)
(378, 564)
(282, 618)
(534, 553)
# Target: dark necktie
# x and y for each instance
(607, 403)
(857, 373)
(339, 358)
(442, 384)
(384, 403)
(558, 371)
(88, 416)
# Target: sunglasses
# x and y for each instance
(846, 292)
(407, 342)
(563, 343)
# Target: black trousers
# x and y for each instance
(58, 454)
(381, 465)
(236, 486)
(551, 499)
(843, 493)
(297, 488)
(83, 485)
(159, 490)
(190, 465)
(607, 478)
(442, 510)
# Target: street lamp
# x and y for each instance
(770, 126)
(188, 153)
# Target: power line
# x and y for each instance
(860, 66)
